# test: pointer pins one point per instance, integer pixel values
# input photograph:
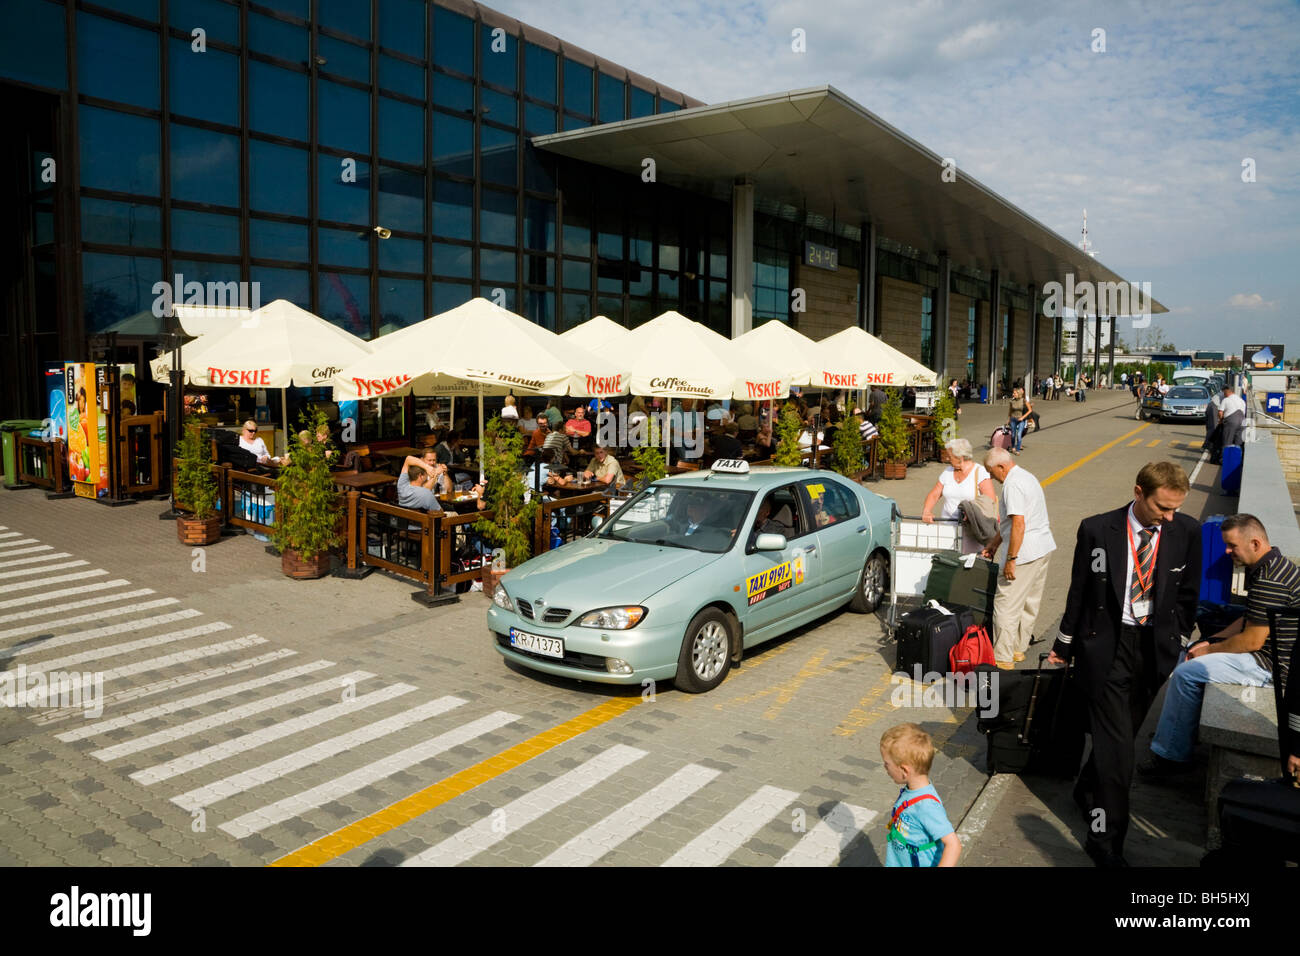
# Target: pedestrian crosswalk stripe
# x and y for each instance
(11, 534)
(184, 657)
(14, 544)
(1153, 443)
(45, 609)
(228, 716)
(78, 637)
(183, 680)
(627, 821)
(116, 650)
(823, 844)
(57, 579)
(211, 793)
(265, 735)
(300, 803)
(718, 842)
(86, 618)
(32, 550)
(23, 572)
(17, 561)
(184, 703)
(64, 592)
(531, 806)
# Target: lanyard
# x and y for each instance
(1137, 564)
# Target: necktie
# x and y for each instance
(1140, 585)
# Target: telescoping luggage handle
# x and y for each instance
(1033, 699)
(1273, 615)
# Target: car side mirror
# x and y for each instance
(770, 542)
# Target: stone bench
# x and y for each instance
(1239, 725)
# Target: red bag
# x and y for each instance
(972, 649)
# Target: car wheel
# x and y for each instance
(706, 652)
(871, 588)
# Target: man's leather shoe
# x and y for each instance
(1159, 770)
(1103, 857)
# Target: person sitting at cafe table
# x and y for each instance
(249, 441)
(728, 444)
(603, 470)
(560, 446)
(747, 420)
(448, 449)
(541, 431)
(554, 416)
(440, 482)
(764, 443)
(412, 485)
(579, 426)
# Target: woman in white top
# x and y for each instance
(510, 412)
(962, 480)
(250, 442)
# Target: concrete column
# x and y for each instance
(871, 321)
(995, 333)
(1031, 340)
(939, 325)
(1096, 351)
(1110, 371)
(742, 258)
(1079, 325)
(1056, 344)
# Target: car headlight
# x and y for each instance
(501, 599)
(613, 618)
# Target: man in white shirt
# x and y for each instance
(1232, 412)
(250, 442)
(1023, 524)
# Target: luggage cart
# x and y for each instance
(913, 543)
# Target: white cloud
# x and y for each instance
(1251, 300)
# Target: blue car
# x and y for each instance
(692, 571)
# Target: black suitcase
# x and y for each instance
(1039, 724)
(925, 636)
(951, 583)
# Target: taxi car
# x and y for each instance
(1181, 403)
(693, 570)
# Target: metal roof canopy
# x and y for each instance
(818, 150)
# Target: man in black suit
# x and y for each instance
(1129, 613)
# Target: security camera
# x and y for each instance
(382, 232)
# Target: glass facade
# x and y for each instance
(927, 328)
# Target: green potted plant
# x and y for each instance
(895, 442)
(943, 426)
(196, 489)
(847, 447)
(650, 459)
(507, 521)
(306, 505)
(788, 451)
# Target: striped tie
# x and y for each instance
(1142, 572)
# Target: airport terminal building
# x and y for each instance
(379, 161)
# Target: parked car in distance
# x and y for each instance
(1181, 403)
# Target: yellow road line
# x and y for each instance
(408, 808)
(1135, 441)
(1152, 444)
(1087, 458)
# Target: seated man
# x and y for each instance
(439, 482)
(413, 485)
(764, 523)
(448, 449)
(728, 445)
(1236, 655)
(541, 431)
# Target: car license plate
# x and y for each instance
(546, 646)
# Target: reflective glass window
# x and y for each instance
(499, 56)
(611, 307)
(206, 232)
(344, 59)
(121, 223)
(277, 38)
(401, 26)
(401, 303)
(577, 231)
(498, 107)
(453, 93)
(344, 190)
(203, 85)
(609, 240)
(538, 120)
(292, 285)
(538, 166)
(219, 281)
(497, 218)
(116, 61)
(401, 255)
(611, 99)
(277, 178)
(500, 156)
(539, 73)
(204, 166)
(667, 106)
(344, 247)
(456, 262)
(346, 16)
(277, 240)
(497, 266)
(539, 307)
(643, 103)
(401, 200)
(576, 309)
(116, 287)
(539, 270)
(448, 295)
(504, 295)
(539, 224)
(639, 311)
(453, 144)
(401, 77)
(401, 131)
(220, 21)
(575, 122)
(277, 101)
(453, 210)
(296, 8)
(119, 151)
(34, 54)
(345, 301)
(577, 274)
(343, 116)
(577, 88)
(453, 41)
(668, 288)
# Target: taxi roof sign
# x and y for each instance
(730, 466)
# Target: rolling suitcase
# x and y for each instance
(1039, 724)
(1230, 470)
(925, 636)
(1001, 438)
(1216, 565)
(952, 583)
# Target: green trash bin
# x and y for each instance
(8, 440)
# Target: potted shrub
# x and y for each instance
(847, 447)
(306, 504)
(507, 523)
(196, 490)
(650, 459)
(944, 424)
(895, 442)
(788, 452)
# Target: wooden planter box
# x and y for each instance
(895, 469)
(295, 566)
(198, 532)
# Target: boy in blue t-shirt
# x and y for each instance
(920, 833)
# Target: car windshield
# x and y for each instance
(1188, 391)
(699, 519)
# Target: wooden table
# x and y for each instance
(402, 452)
(364, 481)
(571, 491)
(462, 507)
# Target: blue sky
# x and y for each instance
(1149, 135)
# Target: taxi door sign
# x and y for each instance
(772, 581)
